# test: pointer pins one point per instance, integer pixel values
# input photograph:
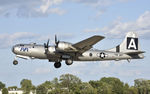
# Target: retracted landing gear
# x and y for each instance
(57, 64)
(69, 62)
(15, 62)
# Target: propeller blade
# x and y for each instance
(46, 46)
(55, 39)
(47, 43)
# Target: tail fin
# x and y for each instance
(130, 45)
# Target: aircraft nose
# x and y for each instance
(13, 49)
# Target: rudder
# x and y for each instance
(129, 44)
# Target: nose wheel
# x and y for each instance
(15, 62)
(57, 64)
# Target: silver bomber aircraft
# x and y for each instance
(81, 51)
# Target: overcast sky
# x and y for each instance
(26, 21)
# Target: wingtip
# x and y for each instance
(101, 37)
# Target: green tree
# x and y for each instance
(104, 88)
(142, 85)
(60, 91)
(41, 89)
(69, 81)
(129, 90)
(108, 85)
(132, 90)
(126, 89)
(55, 83)
(4, 91)
(117, 85)
(2, 85)
(33, 89)
(26, 86)
(94, 84)
(44, 87)
(86, 88)
(47, 84)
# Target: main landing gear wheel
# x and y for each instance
(57, 64)
(15, 62)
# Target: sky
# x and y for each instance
(28, 21)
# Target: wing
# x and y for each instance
(87, 44)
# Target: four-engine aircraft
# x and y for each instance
(81, 51)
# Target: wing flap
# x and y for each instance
(87, 44)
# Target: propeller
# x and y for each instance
(56, 41)
(46, 46)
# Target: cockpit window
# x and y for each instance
(21, 45)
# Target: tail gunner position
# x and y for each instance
(81, 51)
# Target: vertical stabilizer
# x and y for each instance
(129, 45)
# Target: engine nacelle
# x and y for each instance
(64, 45)
(69, 62)
(51, 50)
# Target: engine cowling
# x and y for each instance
(69, 62)
(64, 45)
(51, 50)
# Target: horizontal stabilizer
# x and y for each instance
(137, 52)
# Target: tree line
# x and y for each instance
(71, 84)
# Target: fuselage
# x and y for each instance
(80, 51)
(38, 51)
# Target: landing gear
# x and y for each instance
(129, 60)
(69, 62)
(15, 62)
(57, 64)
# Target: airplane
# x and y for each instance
(81, 51)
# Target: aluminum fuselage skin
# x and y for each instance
(38, 52)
